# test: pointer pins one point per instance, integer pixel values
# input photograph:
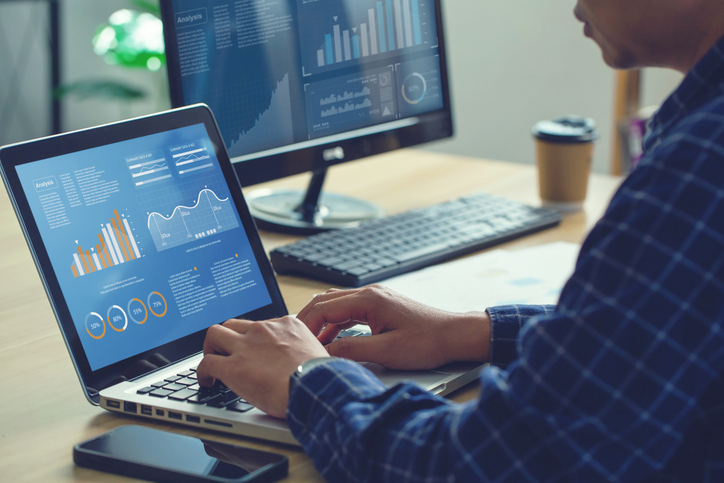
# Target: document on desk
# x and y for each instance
(533, 275)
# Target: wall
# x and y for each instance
(24, 71)
(24, 43)
(512, 63)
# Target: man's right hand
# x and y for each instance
(405, 334)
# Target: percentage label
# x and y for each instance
(117, 318)
(137, 311)
(157, 304)
(95, 325)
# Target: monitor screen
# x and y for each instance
(300, 85)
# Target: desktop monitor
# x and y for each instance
(303, 85)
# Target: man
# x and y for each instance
(621, 381)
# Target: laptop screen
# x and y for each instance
(145, 241)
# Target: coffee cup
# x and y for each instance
(564, 151)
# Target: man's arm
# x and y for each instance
(607, 387)
(506, 322)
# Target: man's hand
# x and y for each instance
(405, 334)
(256, 359)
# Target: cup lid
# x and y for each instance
(568, 129)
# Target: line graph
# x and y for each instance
(192, 160)
(209, 215)
(148, 167)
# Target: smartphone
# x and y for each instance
(155, 455)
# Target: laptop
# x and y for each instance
(143, 240)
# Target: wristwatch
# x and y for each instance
(307, 366)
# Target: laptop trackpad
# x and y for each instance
(427, 379)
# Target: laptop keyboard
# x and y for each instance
(184, 387)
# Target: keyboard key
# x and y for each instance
(186, 381)
(357, 271)
(421, 252)
(185, 373)
(239, 407)
(160, 393)
(182, 395)
(222, 401)
(145, 390)
(172, 379)
(174, 387)
(159, 384)
(200, 398)
(344, 266)
(207, 394)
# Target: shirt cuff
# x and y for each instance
(505, 324)
(316, 398)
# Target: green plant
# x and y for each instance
(131, 39)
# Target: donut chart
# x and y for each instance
(117, 317)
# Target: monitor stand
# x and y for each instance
(305, 213)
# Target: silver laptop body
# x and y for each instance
(142, 238)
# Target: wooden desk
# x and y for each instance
(42, 409)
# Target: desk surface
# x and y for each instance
(43, 412)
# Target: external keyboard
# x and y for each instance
(397, 244)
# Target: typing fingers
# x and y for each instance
(211, 368)
(337, 308)
(375, 348)
(331, 331)
(322, 297)
(221, 339)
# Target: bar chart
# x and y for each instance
(363, 30)
(116, 245)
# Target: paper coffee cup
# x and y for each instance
(564, 151)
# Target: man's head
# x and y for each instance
(652, 33)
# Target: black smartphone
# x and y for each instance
(151, 454)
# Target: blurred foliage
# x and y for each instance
(146, 6)
(130, 38)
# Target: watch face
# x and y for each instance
(307, 366)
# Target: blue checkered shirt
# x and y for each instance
(621, 381)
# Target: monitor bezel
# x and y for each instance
(432, 126)
(16, 155)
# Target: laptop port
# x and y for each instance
(147, 410)
(130, 407)
(113, 404)
(193, 419)
(218, 423)
(160, 412)
(175, 415)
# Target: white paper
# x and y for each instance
(533, 275)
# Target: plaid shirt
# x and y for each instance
(621, 381)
